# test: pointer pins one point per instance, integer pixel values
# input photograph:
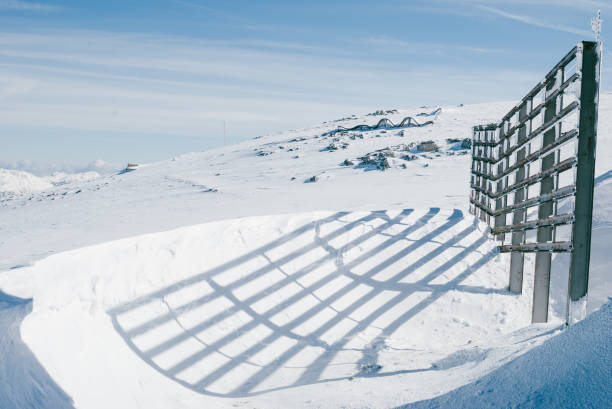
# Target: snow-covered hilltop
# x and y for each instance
(310, 268)
(262, 176)
(14, 183)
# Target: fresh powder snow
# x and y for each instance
(308, 268)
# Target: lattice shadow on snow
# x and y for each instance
(292, 327)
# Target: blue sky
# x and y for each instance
(146, 80)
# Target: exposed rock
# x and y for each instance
(382, 112)
(427, 146)
(334, 146)
(376, 159)
(347, 163)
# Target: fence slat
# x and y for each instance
(524, 149)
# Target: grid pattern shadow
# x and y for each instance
(301, 311)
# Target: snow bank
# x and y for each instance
(343, 308)
(18, 182)
(21, 182)
(41, 168)
(600, 274)
(320, 309)
(571, 370)
(24, 383)
(61, 178)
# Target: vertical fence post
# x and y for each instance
(533, 132)
(517, 259)
(585, 173)
(541, 285)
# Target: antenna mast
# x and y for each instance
(596, 25)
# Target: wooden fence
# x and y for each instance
(533, 175)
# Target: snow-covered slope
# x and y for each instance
(307, 275)
(258, 308)
(258, 177)
(571, 370)
(14, 183)
(20, 182)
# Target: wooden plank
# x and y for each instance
(556, 195)
(566, 137)
(560, 167)
(542, 128)
(562, 63)
(554, 247)
(566, 218)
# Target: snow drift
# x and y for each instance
(221, 282)
(571, 370)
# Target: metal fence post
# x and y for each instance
(585, 173)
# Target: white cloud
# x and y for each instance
(534, 22)
(571, 4)
(92, 89)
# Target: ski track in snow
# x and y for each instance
(329, 303)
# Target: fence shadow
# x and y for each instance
(294, 312)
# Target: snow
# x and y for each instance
(20, 182)
(234, 182)
(25, 383)
(61, 178)
(222, 279)
(39, 168)
(576, 373)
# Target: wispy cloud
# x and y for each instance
(572, 4)
(534, 22)
(26, 6)
(556, 4)
(387, 43)
(425, 48)
(91, 81)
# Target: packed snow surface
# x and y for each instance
(300, 269)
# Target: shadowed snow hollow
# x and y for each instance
(260, 308)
